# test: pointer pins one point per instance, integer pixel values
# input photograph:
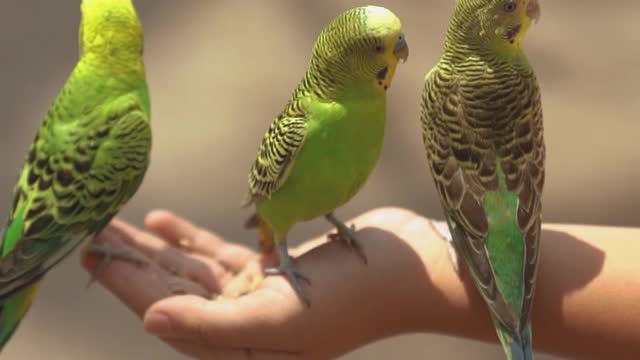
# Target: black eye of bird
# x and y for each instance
(510, 6)
(378, 48)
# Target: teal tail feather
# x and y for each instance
(13, 310)
(515, 347)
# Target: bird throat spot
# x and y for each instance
(513, 32)
(381, 76)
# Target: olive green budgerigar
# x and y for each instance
(321, 149)
(88, 158)
(482, 129)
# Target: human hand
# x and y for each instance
(407, 286)
(352, 304)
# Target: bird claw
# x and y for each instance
(287, 269)
(108, 253)
(346, 236)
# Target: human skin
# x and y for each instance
(585, 304)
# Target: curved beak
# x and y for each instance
(533, 10)
(401, 50)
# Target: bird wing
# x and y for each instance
(278, 150)
(77, 176)
(464, 168)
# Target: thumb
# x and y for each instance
(177, 317)
(249, 321)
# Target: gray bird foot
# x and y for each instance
(108, 253)
(346, 236)
(288, 269)
(442, 229)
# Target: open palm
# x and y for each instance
(189, 292)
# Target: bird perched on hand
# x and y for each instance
(87, 160)
(321, 149)
(482, 129)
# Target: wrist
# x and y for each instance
(441, 299)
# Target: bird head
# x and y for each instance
(362, 44)
(500, 24)
(110, 28)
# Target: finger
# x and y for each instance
(135, 285)
(180, 232)
(227, 323)
(196, 267)
(185, 235)
(129, 235)
(199, 269)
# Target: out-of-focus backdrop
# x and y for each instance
(220, 70)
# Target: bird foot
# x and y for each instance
(346, 236)
(108, 253)
(288, 269)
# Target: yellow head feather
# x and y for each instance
(497, 24)
(110, 29)
(361, 44)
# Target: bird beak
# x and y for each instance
(401, 50)
(533, 10)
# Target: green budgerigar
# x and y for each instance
(482, 129)
(88, 157)
(321, 149)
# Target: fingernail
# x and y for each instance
(157, 324)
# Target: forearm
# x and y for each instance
(586, 303)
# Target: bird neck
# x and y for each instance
(124, 68)
(326, 84)
(467, 38)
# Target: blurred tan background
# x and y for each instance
(220, 70)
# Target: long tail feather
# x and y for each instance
(13, 310)
(516, 347)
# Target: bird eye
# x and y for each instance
(510, 6)
(378, 48)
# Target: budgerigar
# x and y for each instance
(482, 129)
(88, 157)
(321, 149)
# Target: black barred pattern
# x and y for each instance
(478, 22)
(479, 111)
(343, 52)
(73, 182)
(279, 146)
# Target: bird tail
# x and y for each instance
(13, 310)
(516, 347)
(265, 235)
